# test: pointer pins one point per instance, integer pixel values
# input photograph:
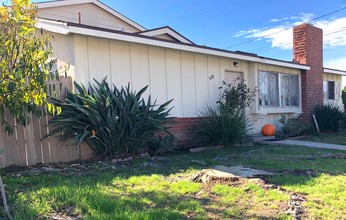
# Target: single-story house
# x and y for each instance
(98, 42)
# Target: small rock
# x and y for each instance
(150, 164)
(295, 197)
(114, 168)
(199, 162)
(130, 158)
(299, 210)
(50, 169)
(199, 193)
(145, 155)
(158, 159)
(75, 165)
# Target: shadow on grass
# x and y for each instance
(96, 194)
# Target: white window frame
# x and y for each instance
(337, 90)
(280, 108)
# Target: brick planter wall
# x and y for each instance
(185, 130)
(308, 49)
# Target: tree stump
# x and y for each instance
(215, 176)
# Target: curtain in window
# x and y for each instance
(274, 89)
(284, 89)
(294, 90)
(268, 89)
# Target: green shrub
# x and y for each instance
(111, 121)
(161, 145)
(236, 95)
(328, 117)
(224, 128)
(228, 124)
(343, 97)
(292, 127)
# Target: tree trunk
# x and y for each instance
(4, 200)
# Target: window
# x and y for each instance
(331, 90)
(268, 89)
(289, 90)
(278, 89)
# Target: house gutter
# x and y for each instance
(65, 29)
(334, 71)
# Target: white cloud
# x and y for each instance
(305, 17)
(337, 63)
(280, 36)
(275, 20)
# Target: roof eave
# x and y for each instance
(135, 38)
(96, 2)
(334, 71)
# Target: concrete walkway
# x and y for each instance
(305, 144)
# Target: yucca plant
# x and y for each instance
(224, 128)
(112, 121)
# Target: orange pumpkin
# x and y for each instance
(268, 130)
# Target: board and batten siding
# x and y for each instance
(190, 79)
(87, 14)
(338, 83)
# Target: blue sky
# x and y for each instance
(226, 23)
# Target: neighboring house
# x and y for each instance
(99, 42)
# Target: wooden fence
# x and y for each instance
(26, 146)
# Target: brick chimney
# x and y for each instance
(308, 49)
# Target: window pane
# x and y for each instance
(268, 89)
(294, 90)
(273, 89)
(284, 89)
(331, 90)
(263, 94)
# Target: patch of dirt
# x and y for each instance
(15, 168)
(66, 213)
(334, 156)
(214, 176)
(296, 209)
(297, 172)
(210, 177)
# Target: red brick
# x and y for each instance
(186, 131)
(308, 49)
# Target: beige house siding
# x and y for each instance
(166, 37)
(338, 86)
(64, 53)
(170, 74)
(90, 14)
(190, 79)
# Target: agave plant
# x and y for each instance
(112, 121)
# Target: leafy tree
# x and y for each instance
(24, 67)
(24, 63)
(343, 97)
